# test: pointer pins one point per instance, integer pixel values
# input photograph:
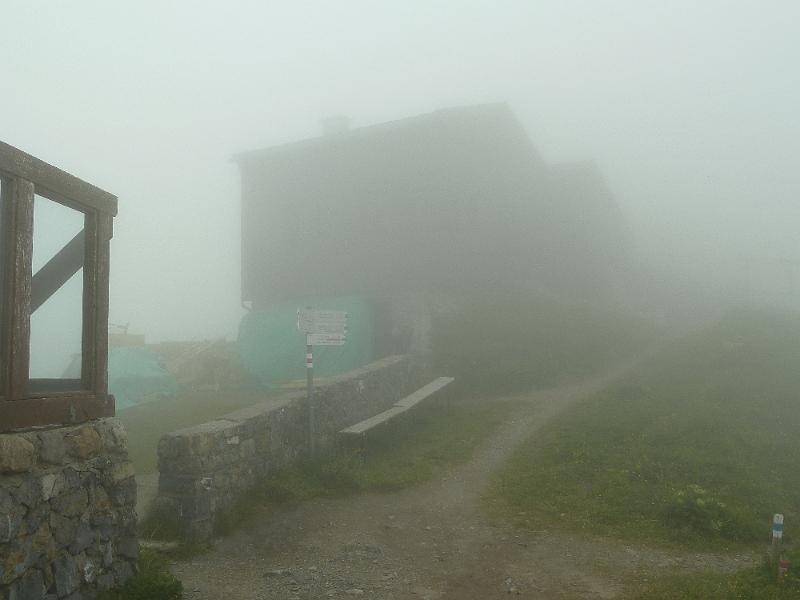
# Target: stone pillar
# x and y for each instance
(67, 512)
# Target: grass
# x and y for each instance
(154, 581)
(434, 438)
(507, 343)
(760, 583)
(147, 423)
(698, 448)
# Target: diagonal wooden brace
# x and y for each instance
(57, 271)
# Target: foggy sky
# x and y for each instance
(690, 108)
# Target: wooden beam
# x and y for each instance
(53, 183)
(18, 251)
(42, 388)
(57, 271)
(99, 230)
(64, 409)
(6, 234)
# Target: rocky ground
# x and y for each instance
(432, 542)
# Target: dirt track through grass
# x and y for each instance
(431, 541)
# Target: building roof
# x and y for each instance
(497, 111)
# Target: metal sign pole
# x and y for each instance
(322, 328)
(312, 409)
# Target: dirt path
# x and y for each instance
(430, 542)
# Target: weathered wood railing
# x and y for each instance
(26, 402)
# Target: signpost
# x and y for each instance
(322, 328)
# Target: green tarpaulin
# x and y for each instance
(273, 350)
(136, 375)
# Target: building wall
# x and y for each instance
(427, 203)
(67, 516)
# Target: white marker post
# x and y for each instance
(777, 537)
(322, 328)
(777, 529)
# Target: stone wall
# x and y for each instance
(67, 516)
(206, 468)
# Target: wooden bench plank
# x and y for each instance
(399, 407)
(423, 392)
(365, 425)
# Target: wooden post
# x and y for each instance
(18, 222)
(98, 228)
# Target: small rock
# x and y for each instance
(72, 503)
(52, 485)
(105, 582)
(112, 434)
(16, 454)
(83, 443)
(83, 536)
(67, 579)
(53, 449)
(7, 528)
(128, 547)
(122, 571)
(280, 572)
(122, 470)
(89, 571)
(354, 592)
(31, 585)
(108, 554)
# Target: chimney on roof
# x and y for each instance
(335, 125)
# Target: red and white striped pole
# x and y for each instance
(312, 412)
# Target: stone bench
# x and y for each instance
(399, 407)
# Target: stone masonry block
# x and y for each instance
(53, 449)
(16, 454)
(83, 443)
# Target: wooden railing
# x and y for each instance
(26, 402)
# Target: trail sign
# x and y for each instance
(322, 321)
(325, 339)
(340, 328)
(329, 315)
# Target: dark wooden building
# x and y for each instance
(457, 200)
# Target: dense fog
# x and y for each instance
(430, 299)
(688, 110)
